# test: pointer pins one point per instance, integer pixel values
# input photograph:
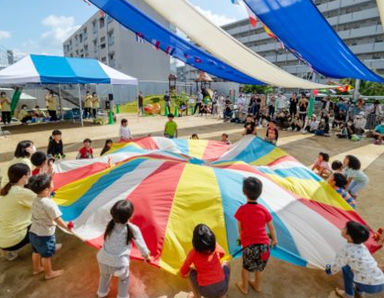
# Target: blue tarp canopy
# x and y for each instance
(167, 41)
(302, 28)
(62, 70)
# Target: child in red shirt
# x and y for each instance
(86, 151)
(42, 164)
(252, 219)
(208, 278)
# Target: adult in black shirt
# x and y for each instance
(293, 104)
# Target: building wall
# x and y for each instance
(106, 40)
(357, 22)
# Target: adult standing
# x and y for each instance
(271, 106)
(87, 105)
(23, 153)
(50, 101)
(199, 100)
(140, 103)
(95, 104)
(303, 107)
(374, 115)
(167, 100)
(293, 101)
(327, 104)
(15, 210)
(5, 104)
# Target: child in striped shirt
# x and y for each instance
(338, 182)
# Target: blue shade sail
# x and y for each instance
(302, 28)
(146, 28)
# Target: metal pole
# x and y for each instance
(80, 107)
(356, 93)
(60, 103)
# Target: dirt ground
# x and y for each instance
(81, 273)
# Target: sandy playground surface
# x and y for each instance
(78, 259)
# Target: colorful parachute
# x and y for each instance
(177, 184)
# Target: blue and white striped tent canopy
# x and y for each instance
(62, 70)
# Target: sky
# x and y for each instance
(41, 26)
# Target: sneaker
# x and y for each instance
(11, 255)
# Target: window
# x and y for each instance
(102, 39)
(104, 59)
(102, 46)
(111, 38)
(102, 22)
(81, 37)
(94, 27)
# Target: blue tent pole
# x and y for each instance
(80, 107)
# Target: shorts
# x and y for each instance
(45, 246)
(214, 290)
(255, 257)
(355, 187)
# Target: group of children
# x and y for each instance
(345, 177)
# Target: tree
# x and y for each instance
(367, 88)
(257, 89)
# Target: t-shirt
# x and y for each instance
(346, 196)
(361, 262)
(249, 127)
(380, 129)
(170, 128)
(35, 172)
(208, 266)
(322, 164)
(88, 101)
(141, 100)
(15, 215)
(85, 153)
(95, 102)
(44, 213)
(356, 175)
(167, 97)
(115, 251)
(5, 104)
(51, 102)
(253, 218)
(125, 133)
(55, 148)
(27, 161)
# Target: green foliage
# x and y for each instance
(367, 88)
(257, 89)
(155, 99)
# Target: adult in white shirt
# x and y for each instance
(125, 132)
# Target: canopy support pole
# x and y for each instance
(80, 107)
(61, 104)
(356, 93)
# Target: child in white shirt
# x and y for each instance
(125, 132)
(360, 270)
(45, 216)
(114, 256)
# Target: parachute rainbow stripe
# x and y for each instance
(177, 184)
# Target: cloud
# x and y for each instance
(217, 19)
(60, 28)
(4, 34)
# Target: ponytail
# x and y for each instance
(15, 173)
(5, 190)
(109, 229)
(130, 235)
